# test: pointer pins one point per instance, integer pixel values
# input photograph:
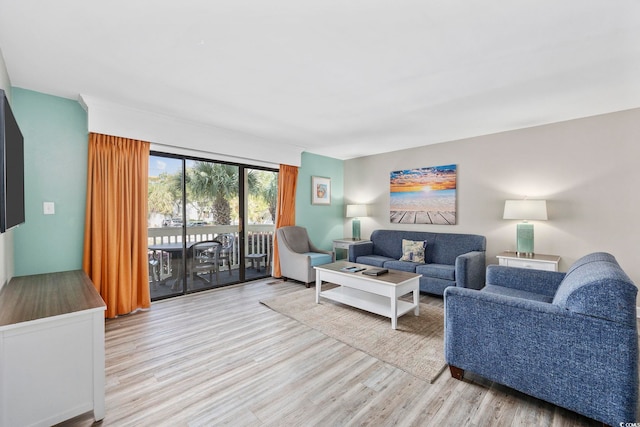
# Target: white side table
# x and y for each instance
(536, 262)
(344, 243)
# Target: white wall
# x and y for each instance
(179, 136)
(6, 239)
(587, 169)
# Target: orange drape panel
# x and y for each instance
(286, 208)
(115, 232)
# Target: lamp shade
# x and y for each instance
(354, 211)
(525, 209)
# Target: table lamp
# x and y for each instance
(356, 211)
(525, 210)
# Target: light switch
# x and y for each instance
(49, 208)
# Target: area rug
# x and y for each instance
(416, 346)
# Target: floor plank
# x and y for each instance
(220, 357)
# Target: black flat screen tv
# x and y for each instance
(11, 168)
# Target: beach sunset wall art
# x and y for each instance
(423, 195)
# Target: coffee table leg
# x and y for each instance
(394, 312)
(318, 286)
(416, 301)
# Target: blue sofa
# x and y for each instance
(450, 259)
(568, 338)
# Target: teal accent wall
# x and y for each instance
(55, 151)
(323, 222)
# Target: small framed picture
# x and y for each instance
(320, 190)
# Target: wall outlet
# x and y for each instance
(49, 208)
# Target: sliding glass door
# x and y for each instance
(165, 226)
(211, 224)
(262, 196)
(213, 191)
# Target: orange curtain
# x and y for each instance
(286, 208)
(115, 232)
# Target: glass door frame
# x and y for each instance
(242, 230)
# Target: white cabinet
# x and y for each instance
(345, 243)
(536, 262)
(51, 349)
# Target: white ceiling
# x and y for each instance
(341, 78)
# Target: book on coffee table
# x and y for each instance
(375, 271)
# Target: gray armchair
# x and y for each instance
(298, 255)
(568, 338)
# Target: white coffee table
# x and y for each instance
(376, 294)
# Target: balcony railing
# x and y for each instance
(259, 241)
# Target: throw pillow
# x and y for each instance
(413, 250)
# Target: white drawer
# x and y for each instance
(341, 245)
(533, 264)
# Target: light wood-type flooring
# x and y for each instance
(221, 358)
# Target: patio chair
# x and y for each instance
(205, 258)
(226, 250)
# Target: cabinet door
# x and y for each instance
(47, 371)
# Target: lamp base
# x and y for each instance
(355, 229)
(524, 239)
(525, 254)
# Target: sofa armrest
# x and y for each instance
(525, 279)
(470, 270)
(579, 362)
(333, 254)
(359, 250)
(314, 248)
(289, 259)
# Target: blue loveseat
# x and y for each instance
(450, 259)
(568, 338)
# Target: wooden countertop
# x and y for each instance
(28, 298)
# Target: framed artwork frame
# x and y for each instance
(320, 190)
(424, 195)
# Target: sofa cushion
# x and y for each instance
(438, 271)
(388, 243)
(447, 246)
(376, 260)
(318, 258)
(401, 265)
(413, 250)
(518, 293)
